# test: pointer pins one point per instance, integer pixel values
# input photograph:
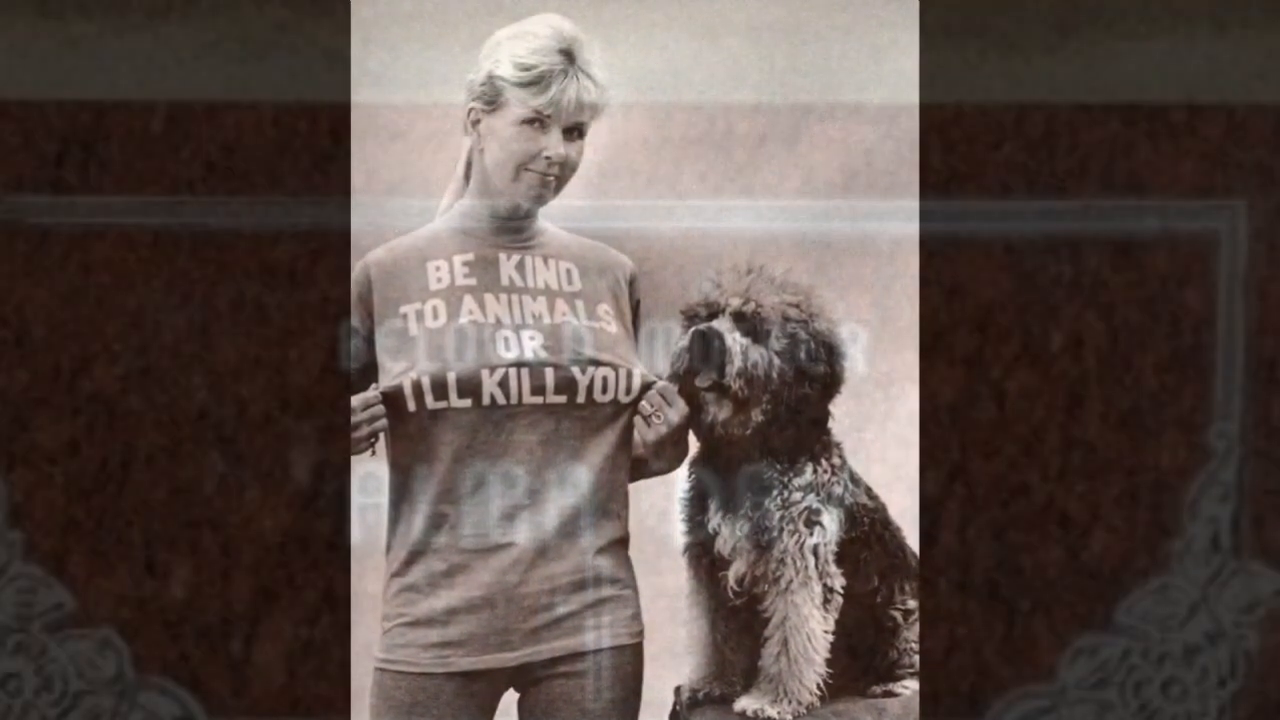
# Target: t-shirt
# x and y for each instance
(509, 369)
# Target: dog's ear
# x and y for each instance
(688, 317)
(676, 366)
(822, 360)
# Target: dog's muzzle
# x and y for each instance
(707, 356)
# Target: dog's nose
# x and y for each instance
(707, 350)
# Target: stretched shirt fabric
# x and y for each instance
(507, 361)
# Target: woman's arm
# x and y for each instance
(362, 358)
(660, 449)
(647, 464)
(368, 417)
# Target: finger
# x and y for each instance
(369, 416)
(676, 405)
(645, 407)
(365, 400)
(653, 431)
(675, 409)
(661, 403)
(370, 397)
(656, 408)
(669, 403)
(667, 392)
(652, 418)
(370, 430)
(644, 430)
(650, 440)
(676, 412)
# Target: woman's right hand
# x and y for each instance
(368, 420)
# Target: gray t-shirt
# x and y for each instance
(509, 369)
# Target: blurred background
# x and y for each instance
(740, 131)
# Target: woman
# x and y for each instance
(501, 360)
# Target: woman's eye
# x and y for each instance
(537, 122)
(574, 134)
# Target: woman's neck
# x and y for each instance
(489, 220)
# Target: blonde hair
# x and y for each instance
(542, 61)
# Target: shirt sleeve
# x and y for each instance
(362, 349)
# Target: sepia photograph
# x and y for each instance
(634, 360)
(707, 360)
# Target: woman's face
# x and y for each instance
(525, 158)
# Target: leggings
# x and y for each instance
(600, 685)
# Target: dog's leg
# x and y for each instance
(801, 606)
(725, 643)
(903, 656)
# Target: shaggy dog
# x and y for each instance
(803, 586)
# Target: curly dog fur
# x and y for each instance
(804, 587)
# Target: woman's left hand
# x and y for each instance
(660, 442)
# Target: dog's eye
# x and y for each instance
(747, 325)
(701, 313)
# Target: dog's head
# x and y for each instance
(757, 353)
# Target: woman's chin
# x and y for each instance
(540, 200)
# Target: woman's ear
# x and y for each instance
(472, 125)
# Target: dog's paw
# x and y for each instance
(705, 692)
(895, 689)
(756, 705)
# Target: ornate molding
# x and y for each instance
(1182, 645)
(52, 670)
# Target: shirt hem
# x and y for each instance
(505, 660)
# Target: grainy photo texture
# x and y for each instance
(634, 361)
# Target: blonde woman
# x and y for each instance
(508, 385)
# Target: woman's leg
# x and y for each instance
(601, 685)
(437, 696)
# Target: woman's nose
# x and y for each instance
(553, 150)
